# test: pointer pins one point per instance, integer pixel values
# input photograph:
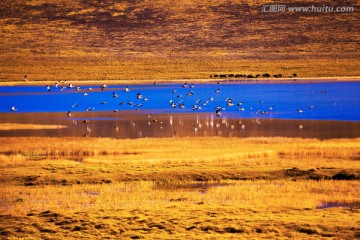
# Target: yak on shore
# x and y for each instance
(238, 75)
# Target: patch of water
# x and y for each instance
(176, 110)
(320, 101)
(351, 205)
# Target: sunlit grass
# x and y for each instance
(234, 151)
(277, 194)
(17, 126)
(148, 70)
(178, 187)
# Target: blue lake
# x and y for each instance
(306, 110)
(316, 101)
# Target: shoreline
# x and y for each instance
(202, 81)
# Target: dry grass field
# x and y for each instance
(156, 40)
(197, 188)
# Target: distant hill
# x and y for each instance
(173, 39)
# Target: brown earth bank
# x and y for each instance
(183, 80)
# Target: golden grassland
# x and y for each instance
(161, 69)
(19, 126)
(197, 188)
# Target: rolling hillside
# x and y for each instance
(112, 40)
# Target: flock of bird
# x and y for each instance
(178, 99)
(115, 95)
(183, 98)
(200, 103)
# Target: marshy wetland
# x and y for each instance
(162, 171)
(212, 187)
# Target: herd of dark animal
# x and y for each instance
(265, 75)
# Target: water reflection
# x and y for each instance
(126, 124)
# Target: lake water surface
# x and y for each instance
(323, 110)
